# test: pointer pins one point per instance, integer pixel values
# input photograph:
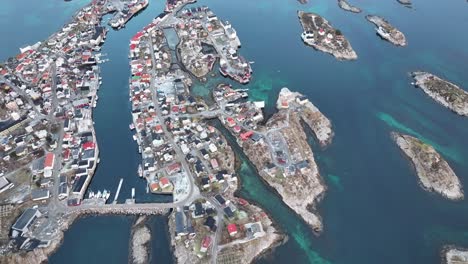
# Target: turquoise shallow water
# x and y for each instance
(374, 211)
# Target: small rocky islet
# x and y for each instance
(442, 91)
(319, 34)
(386, 31)
(434, 173)
(345, 5)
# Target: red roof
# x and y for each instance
(246, 135)
(132, 47)
(49, 160)
(206, 242)
(89, 145)
(164, 181)
(232, 228)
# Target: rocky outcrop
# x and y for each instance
(433, 171)
(141, 236)
(293, 173)
(386, 31)
(443, 92)
(406, 3)
(343, 4)
(454, 255)
(319, 34)
(310, 114)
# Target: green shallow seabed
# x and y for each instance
(451, 153)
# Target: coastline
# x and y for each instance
(325, 37)
(442, 91)
(433, 172)
(302, 187)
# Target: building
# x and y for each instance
(232, 229)
(5, 184)
(206, 243)
(254, 230)
(23, 223)
(49, 164)
(40, 194)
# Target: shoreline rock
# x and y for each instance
(299, 184)
(386, 31)
(343, 4)
(139, 242)
(324, 37)
(406, 3)
(444, 92)
(434, 173)
(454, 255)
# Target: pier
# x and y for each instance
(118, 191)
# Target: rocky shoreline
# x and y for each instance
(454, 255)
(444, 92)
(386, 31)
(140, 242)
(301, 189)
(324, 37)
(41, 255)
(343, 4)
(433, 171)
(406, 3)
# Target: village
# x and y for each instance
(48, 145)
(182, 153)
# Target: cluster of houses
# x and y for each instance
(321, 32)
(49, 91)
(204, 38)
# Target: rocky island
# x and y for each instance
(343, 4)
(139, 242)
(386, 31)
(433, 171)
(280, 151)
(319, 34)
(406, 3)
(443, 92)
(454, 255)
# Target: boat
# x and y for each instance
(91, 195)
(107, 195)
(134, 137)
(140, 171)
(131, 126)
(99, 194)
(382, 32)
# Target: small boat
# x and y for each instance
(140, 171)
(99, 194)
(131, 126)
(134, 137)
(107, 195)
(91, 195)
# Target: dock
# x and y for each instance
(118, 191)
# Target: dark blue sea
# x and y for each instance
(374, 210)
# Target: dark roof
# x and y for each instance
(199, 209)
(228, 212)
(25, 219)
(220, 199)
(210, 222)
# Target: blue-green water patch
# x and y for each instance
(451, 153)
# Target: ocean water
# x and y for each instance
(374, 210)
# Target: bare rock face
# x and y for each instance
(386, 31)
(141, 236)
(343, 4)
(325, 38)
(454, 255)
(434, 172)
(443, 92)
